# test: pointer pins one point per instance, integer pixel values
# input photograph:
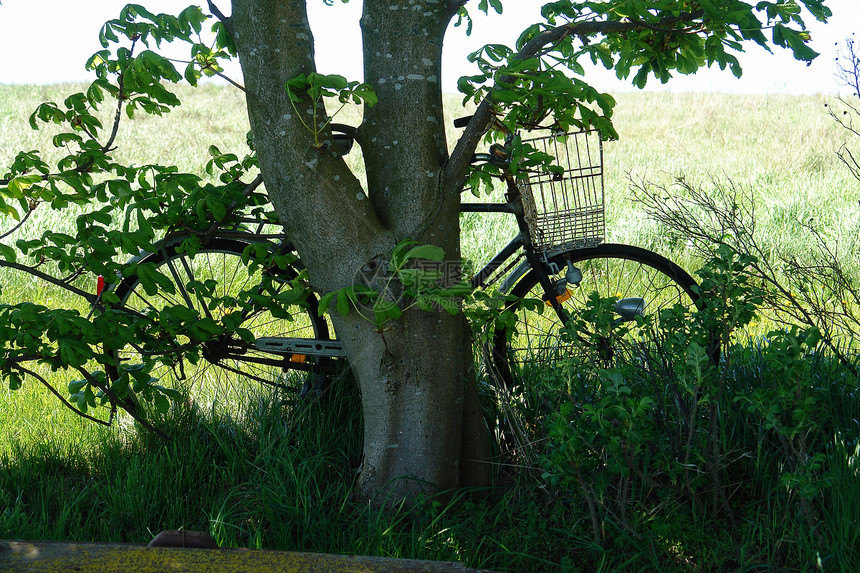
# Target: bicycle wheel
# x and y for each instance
(216, 284)
(629, 280)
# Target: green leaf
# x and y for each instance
(331, 81)
(296, 86)
(426, 252)
(171, 393)
(14, 380)
(107, 35)
(8, 253)
(384, 311)
(18, 185)
(75, 386)
(162, 404)
(325, 302)
(152, 279)
(218, 208)
(192, 74)
(365, 93)
(463, 14)
(62, 139)
(342, 304)
(223, 39)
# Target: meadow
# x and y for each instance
(279, 475)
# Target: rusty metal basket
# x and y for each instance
(566, 210)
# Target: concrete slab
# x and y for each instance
(52, 556)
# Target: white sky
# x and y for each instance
(48, 41)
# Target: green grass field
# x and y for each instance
(279, 476)
(782, 147)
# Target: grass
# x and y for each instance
(782, 147)
(276, 480)
(279, 476)
(281, 479)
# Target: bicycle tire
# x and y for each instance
(625, 272)
(226, 359)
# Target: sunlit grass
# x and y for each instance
(782, 147)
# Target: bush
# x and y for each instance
(681, 448)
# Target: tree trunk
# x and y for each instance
(412, 386)
(412, 373)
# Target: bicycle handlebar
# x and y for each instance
(463, 121)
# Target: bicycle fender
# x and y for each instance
(514, 277)
(524, 267)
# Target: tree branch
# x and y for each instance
(454, 5)
(120, 99)
(116, 401)
(85, 167)
(230, 80)
(218, 14)
(249, 188)
(89, 297)
(65, 402)
(221, 75)
(20, 223)
(460, 158)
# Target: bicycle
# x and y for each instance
(217, 313)
(559, 256)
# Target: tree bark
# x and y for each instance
(412, 371)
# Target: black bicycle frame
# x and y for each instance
(523, 239)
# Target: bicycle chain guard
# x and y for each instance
(301, 346)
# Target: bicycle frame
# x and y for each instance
(514, 206)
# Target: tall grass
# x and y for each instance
(783, 147)
(281, 478)
(278, 479)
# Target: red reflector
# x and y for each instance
(100, 285)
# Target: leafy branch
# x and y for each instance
(129, 209)
(525, 83)
(315, 87)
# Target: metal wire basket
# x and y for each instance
(566, 210)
